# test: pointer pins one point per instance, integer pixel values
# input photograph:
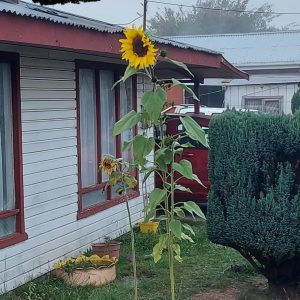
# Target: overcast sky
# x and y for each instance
(123, 11)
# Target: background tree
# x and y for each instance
(204, 21)
(296, 101)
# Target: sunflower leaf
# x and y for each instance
(153, 103)
(179, 64)
(130, 71)
(126, 122)
(177, 83)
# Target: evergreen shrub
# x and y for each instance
(254, 204)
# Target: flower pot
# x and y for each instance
(111, 248)
(149, 227)
(95, 277)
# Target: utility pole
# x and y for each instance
(145, 15)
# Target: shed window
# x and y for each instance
(271, 105)
(11, 195)
(99, 107)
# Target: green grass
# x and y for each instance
(205, 266)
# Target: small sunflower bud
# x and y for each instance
(163, 53)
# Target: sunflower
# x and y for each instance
(108, 165)
(137, 48)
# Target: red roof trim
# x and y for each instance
(30, 31)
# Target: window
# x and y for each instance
(11, 188)
(267, 104)
(99, 107)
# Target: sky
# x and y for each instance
(124, 11)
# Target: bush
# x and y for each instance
(296, 101)
(254, 204)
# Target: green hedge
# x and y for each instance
(296, 101)
(254, 204)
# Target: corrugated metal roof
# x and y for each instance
(52, 15)
(265, 48)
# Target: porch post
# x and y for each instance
(196, 91)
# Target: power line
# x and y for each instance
(225, 9)
(129, 22)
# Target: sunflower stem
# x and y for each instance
(135, 282)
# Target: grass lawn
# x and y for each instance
(205, 266)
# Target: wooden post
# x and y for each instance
(197, 92)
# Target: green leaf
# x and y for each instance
(189, 228)
(179, 64)
(179, 212)
(176, 249)
(196, 178)
(177, 83)
(148, 173)
(127, 122)
(193, 208)
(153, 103)
(156, 197)
(186, 237)
(163, 157)
(127, 145)
(150, 215)
(159, 247)
(184, 167)
(193, 130)
(176, 228)
(130, 71)
(182, 188)
(142, 146)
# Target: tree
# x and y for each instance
(206, 21)
(296, 101)
(254, 201)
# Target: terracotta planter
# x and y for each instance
(112, 249)
(95, 277)
(149, 227)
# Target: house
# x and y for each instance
(57, 111)
(272, 59)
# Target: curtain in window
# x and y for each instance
(7, 187)
(126, 107)
(88, 127)
(7, 192)
(107, 112)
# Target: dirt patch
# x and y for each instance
(254, 289)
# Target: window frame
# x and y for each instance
(19, 235)
(117, 69)
(264, 99)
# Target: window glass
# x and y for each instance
(7, 226)
(93, 198)
(88, 128)
(107, 111)
(126, 107)
(7, 189)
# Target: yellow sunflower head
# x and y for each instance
(137, 48)
(108, 165)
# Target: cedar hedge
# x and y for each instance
(254, 205)
(296, 101)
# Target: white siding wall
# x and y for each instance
(50, 171)
(235, 94)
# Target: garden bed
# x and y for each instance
(206, 268)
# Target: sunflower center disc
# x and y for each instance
(138, 46)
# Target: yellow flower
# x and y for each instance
(58, 265)
(108, 165)
(81, 259)
(94, 259)
(137, 48)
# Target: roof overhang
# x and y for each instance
(29, 31)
